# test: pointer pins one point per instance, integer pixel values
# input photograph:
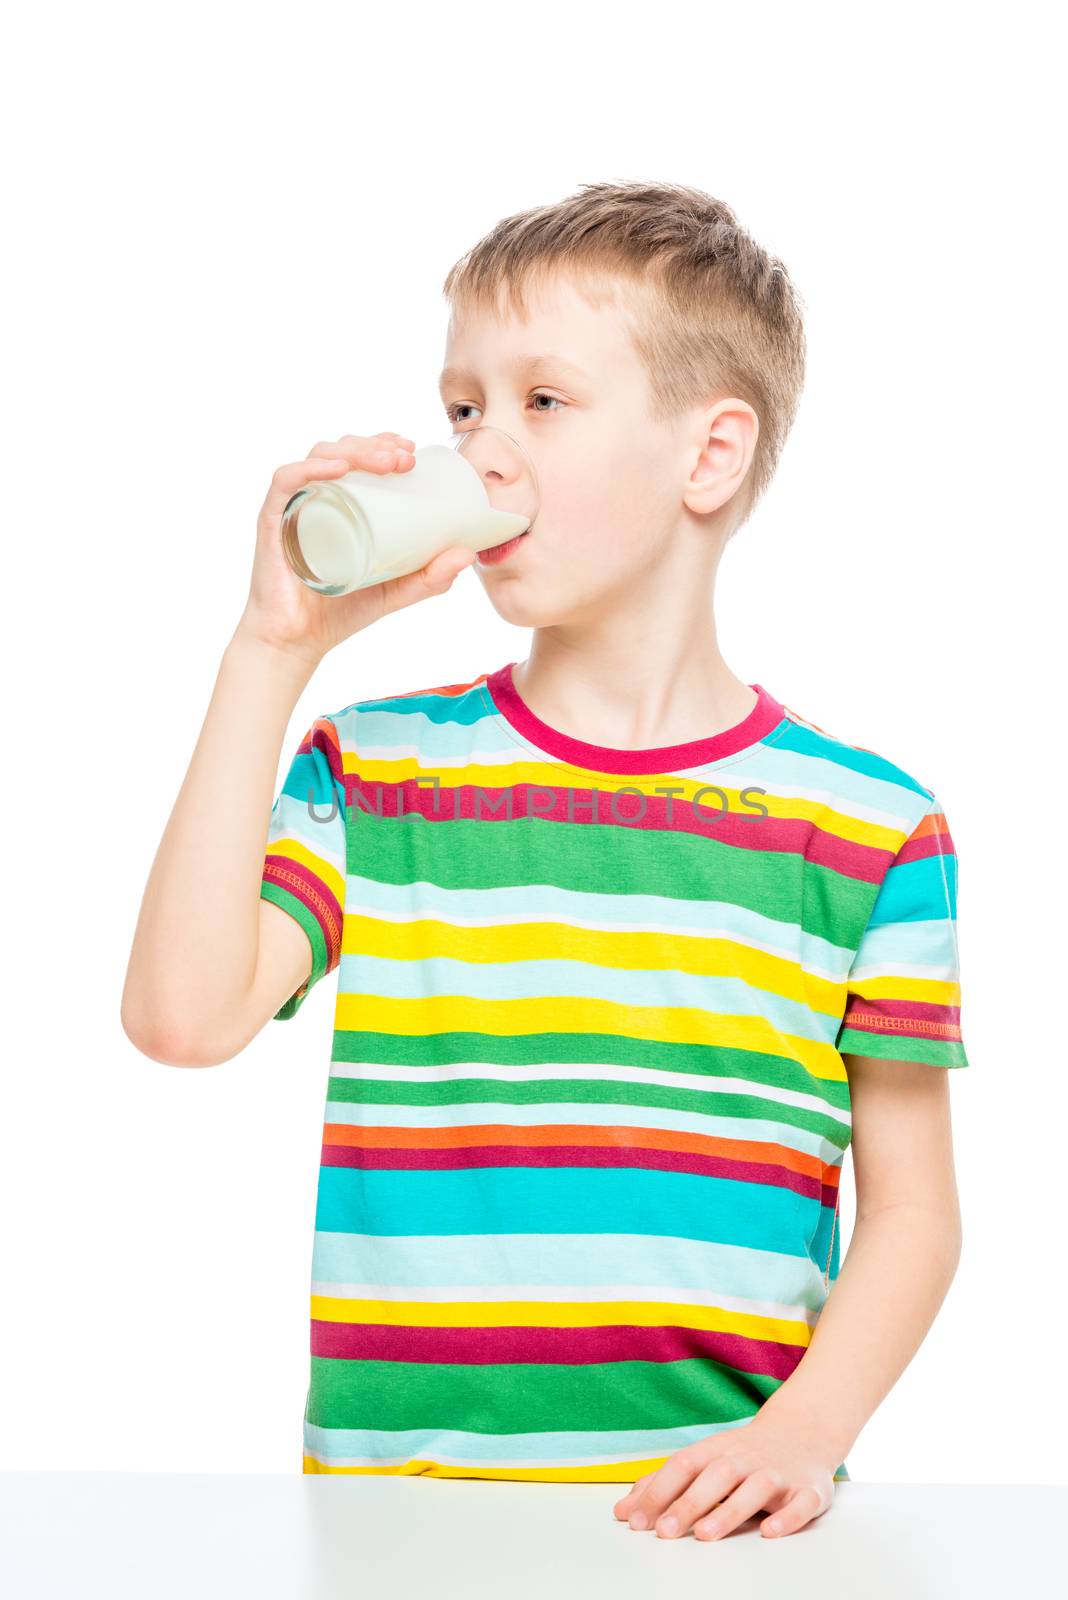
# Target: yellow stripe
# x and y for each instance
(557, 1314)
(643, 951)
(454, 1013)
(427, 1467)
(934, 991)
(295, 850)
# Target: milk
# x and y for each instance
(351, 532)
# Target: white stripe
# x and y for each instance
(570, 1072)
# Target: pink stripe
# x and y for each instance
(580, 803)
(910, 1010)
(379, 1341)
(322, 736)
(930, 844)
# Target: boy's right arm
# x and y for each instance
(211, 961)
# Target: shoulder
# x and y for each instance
(865, 781)
(438, 702)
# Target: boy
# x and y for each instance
(629, 952)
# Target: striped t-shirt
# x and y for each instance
(587, 1106)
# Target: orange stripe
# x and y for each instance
(548, 1135)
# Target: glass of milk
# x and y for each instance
(477, 490)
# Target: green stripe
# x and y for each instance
(596, 858)
(603, 1049)
(939, 1052)
(531, 1397)
(748, 1107)
(290, 902)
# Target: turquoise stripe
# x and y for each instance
(489, 1200)
(916, 891)
(846, 758)
(815, 1224)
(444, 710)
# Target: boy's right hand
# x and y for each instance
(281, 610)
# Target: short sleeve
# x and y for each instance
(304, 862)
(903, 990)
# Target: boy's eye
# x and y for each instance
(453, 411)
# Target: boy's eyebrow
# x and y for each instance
(526, 365)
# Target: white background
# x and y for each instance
(227, 234)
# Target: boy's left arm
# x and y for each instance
(902, 1257)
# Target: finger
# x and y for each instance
(801, 1507)
(639, 1484)
(621, 1506)
(295, 474)
(378, 441)
(328, 448)
(752, 1495)
(665, 1485)
(435, 578)
(373, 455)
(703, 1493)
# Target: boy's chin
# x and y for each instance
(519, 610)
(518, 604)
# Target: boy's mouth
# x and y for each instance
(500, 552)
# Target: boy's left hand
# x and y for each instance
(766, 1463)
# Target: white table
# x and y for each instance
(154, 1536)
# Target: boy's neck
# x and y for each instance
(631, 697)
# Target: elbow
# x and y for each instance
(174, 1045)
(958, 1242)
(952, 1240)
(182, 1030)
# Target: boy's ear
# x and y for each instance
(727, 437)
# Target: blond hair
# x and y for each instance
(712, 313)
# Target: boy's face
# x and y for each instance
(611, 480)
